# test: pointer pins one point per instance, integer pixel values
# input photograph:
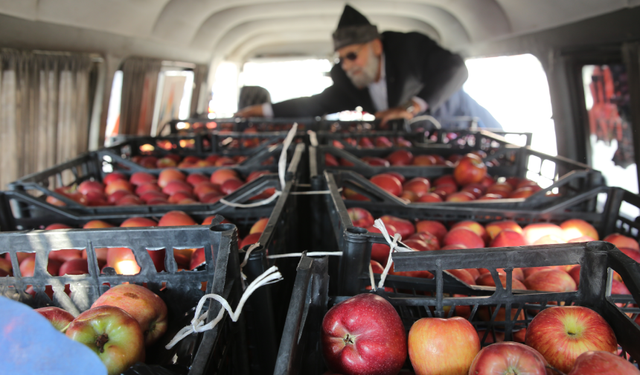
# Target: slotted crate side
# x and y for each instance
(40, 184)
(180, 290)
(356, 243)
(130, 145)
(300, 351)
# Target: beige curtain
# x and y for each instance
(44, 110)
(139, 84)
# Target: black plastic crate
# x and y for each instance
(29, 193)
(335, 228)
(236, 124)
(559, 177)
(221, 350)
(300, 350)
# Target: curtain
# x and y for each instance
(44, 110)
(139, 84)
(200, 75)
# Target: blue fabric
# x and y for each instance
(30, 345)
(460, 104)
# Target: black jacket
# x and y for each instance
(415, 65)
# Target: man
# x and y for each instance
(393, 75)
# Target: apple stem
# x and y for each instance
(100, 341)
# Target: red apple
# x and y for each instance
(250, 239)
(376, 267)
(179, 197)
(599, 362)
(129, 200)
(429, 239)
(551, 280)
(442, 346)
(145, 306)
(460, 196)
(621, 240)
(138, 222)
(419, 185)
(476, 189)
(470, 169)
(230, 185)
(123, 261)
(112, 177)
(524, 192)
(446, 179)
(508, 237)
(463, 236)
(533, 232)
(169, 175)
(175, 219)
(176, 186)
(118, 185)
(431, 226)
(430, 198)
(443, 190)
(376, 162)
(147, 187)
(140, 178)
(508, 358)
(221, 175)
(495, 227)
(463, 275)
(631, 253)
(87, 186)
(360, 217)
(404, 227)
(424, 160)
(58, 317)
(364, 335)
(574, 228)
(330, 160)
(562, 333)
(388, 183)
(400, 158)
(77, 266)
(113, 334)
(487, 280)
(117, 195)
(97, 224)
(255, 174)
(474, 226)
(501, 188)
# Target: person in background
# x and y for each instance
(392, 75)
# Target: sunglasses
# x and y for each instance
(351, 56)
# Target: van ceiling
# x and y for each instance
(214, 30)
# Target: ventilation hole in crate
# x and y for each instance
(629, 211)
(123, 261)
(534, 164)
(157, 257)
(186, 257)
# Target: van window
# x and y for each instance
(606, 90)
(514, 89)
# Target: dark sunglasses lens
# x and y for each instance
(351, 56)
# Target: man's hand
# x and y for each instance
(251, 111)
(392, 114)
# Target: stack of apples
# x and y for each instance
(118, 327)
(171, 186)
(74, 261)
(365, 335)
(177, 161)
(468, 182)
(405, 158)
(426, 235)
(372, 142)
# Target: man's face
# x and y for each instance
(360, 62)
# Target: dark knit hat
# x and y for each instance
(353, 28)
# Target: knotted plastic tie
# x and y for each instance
(272, 275)
(395, 244)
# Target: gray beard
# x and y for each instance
(367, 74)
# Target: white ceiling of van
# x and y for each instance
(241, 29)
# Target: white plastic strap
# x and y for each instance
(433, 120)
(311, 254)
(393, 244)
(270, 276)
(373, 281)
(282, 170)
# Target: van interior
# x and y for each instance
(75, 73)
